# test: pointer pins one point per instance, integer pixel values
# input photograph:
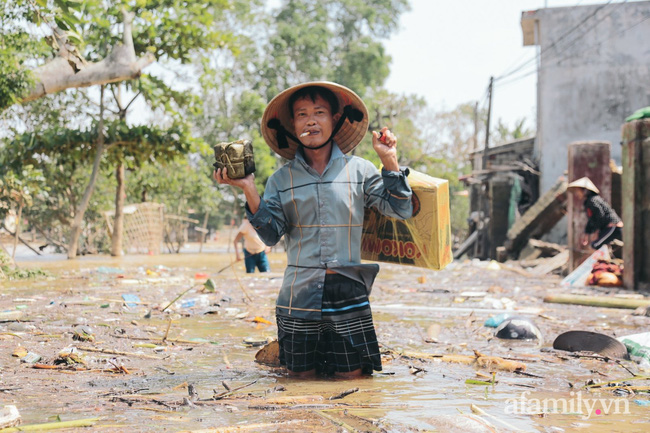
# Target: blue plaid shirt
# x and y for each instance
(321, 217)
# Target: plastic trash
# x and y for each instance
(131, 300)
(645, 403)
(255, 341)
(494, 321)
(83, 333)
(517, 328)
(31, 358)
(638, 347)
(108, 270)
(198, 301)
(9, 416)
(578, 277)
(473, 294)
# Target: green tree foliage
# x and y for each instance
(22, 24)
(64, 157)
(218, 64)
(334, 40)
(20, 189)
(300, 40)
(448, 139)
(176, 32)
(161, 183)
(505, 134)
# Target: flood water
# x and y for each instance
(204, 346)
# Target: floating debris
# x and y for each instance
(83, 333)
(587, 341)
(517, 328)
(269, 354)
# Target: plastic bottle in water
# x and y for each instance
(197, 301)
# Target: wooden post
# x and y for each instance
(499, 204)
(17, 234)
(591, 159)
(487, 124)
(598, 301)
(636, 217)
(204, 230)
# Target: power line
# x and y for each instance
(567, 33)
(571, 30)
(577, 39)
(588, 48)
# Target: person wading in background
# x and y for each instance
(603, 225)
(254, 249)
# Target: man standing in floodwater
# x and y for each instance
(317, 201)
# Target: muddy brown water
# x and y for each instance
(409, 395)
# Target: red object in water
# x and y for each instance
(200, 275)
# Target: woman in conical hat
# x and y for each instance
(603, 225)
(317, 202)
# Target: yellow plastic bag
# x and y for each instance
(424, 240)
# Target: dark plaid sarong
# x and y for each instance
(343, 341)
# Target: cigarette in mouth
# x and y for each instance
(304, 134)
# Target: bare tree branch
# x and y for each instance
(132, 101)
(70, 70)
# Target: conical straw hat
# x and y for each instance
(584, 182)
(348, 137)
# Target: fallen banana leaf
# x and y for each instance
(478, 382)
(88, 422)
(11, 334)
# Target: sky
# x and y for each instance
(446, 51)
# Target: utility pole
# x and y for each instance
(487, 126)
(475, 143)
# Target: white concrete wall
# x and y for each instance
(590, 79)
